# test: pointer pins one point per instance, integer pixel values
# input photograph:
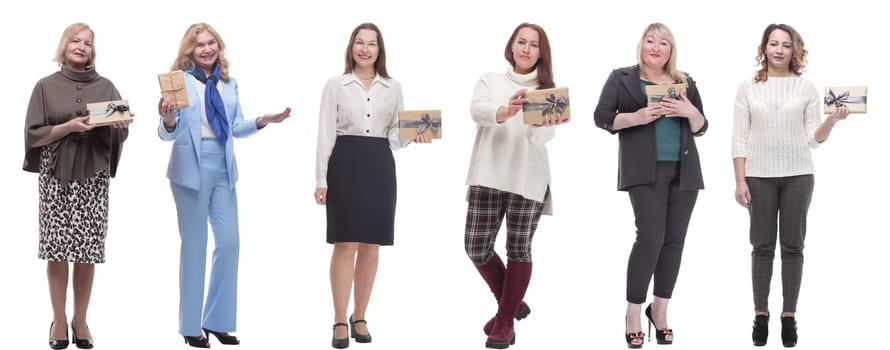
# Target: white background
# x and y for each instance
(428, 295)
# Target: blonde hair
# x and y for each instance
(190, 42)
(69, 33)
(670, 67)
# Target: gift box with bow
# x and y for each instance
(854, 97)
(412, 123)
(105, 113)
(546, 101)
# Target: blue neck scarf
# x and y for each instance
(213, 103)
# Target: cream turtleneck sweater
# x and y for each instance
(509, 156)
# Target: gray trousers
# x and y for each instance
(780, 202)
(662, 212)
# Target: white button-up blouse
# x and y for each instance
(347, 108)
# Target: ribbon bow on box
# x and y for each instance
(109, 110)
(839, 100)
(422, 124)
(551, 105)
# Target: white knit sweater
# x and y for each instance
(775, 126)
(509, 156)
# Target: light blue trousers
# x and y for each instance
(215, 202)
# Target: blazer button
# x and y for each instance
(79, 113)
(686, 152)
(78, 100)
(369, 115)
(79, 86)
(369, 98)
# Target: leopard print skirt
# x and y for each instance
(73, 218)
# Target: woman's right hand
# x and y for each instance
(742, 194)
(646, 115)
(321, 195)
(79, 124)
(513, 106)
(167, 111)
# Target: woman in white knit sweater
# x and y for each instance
(777, 121)
(509, 176)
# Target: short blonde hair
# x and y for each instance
(190, 42)
(69, 33)
(670, 67)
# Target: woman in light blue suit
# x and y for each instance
(202, 173)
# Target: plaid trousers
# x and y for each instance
(486, 210)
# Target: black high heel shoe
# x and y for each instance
(761, 330)
(789, 332)
(340, 343)
(223, 337)
(632, 337)
(663, 333)
(359, 338)
(57, 343)
(197, 342)
(81, 343)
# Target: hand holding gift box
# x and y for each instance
(854, 97)
(412, 123)
(654, 93)
(553, 102)
(108, 112)
(173, 88)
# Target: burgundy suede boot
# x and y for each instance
(516, 281)
(493, 274)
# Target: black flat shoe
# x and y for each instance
(81, 343)
(58, 343)
(197, 342)
(340, 343)
(223, 337)
(761, 330)
(359, 338)
(663, 333)
(789, 332)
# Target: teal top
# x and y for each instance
(667, 134)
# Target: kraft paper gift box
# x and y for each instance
(428, 122)
(544, 102)
(104, 113)
(854, 97)
(173, 88)
(654, 93)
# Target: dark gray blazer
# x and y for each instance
(636, 145)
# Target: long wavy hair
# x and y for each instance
(380, 64)
(798, 62)
(190, 42)
(544, 66)
(69, 33)
(670, 67)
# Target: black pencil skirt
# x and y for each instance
(361, 199)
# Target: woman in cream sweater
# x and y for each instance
(509, 176)
(777, 121)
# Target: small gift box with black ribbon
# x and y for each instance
(854, 97)
(546, 101)
(104, 113)
(654, 93)
(412, 123)
(173, 88)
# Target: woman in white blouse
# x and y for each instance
(355, 174)
(509, 176)
(777, 121)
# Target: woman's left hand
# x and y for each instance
(273, 118)
(423, 138)
(122, 124)
(840, 113)
(678, 108)
(553, 119)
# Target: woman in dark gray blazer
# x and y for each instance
(658, 166)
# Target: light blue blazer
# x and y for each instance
(185, 157)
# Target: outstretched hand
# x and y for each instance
(273, 118)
